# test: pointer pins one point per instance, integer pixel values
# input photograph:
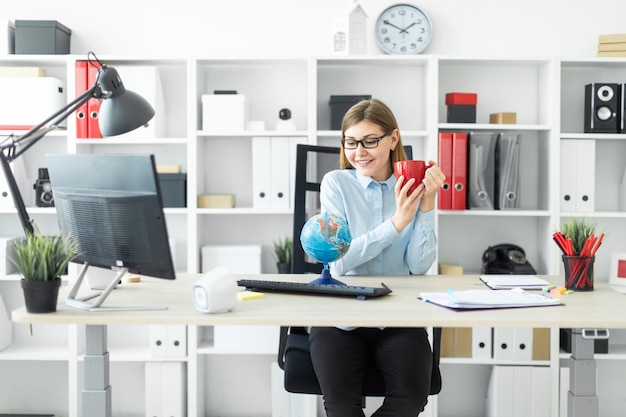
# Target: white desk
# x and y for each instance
(602, 308)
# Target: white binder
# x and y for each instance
(523, 348)
(145, 80)
(585, 175)
(481, 342)
(166, 389)
(568, 175)
(279, 168)
(503, 343)
(261, 173)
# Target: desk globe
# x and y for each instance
(325, 238)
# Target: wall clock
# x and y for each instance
(403, 29)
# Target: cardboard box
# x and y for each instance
(240, 259)
(173, 189)
(7, 250)
(47, 37)
(216, 201)
(503, 118)
(225, 112)
(339, 105)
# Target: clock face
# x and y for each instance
(403, 29)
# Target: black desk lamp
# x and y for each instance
(121, 111)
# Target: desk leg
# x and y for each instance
(582, 400)
(96, 389)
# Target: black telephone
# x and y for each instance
(506, 258)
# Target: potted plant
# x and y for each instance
(282, 250)
(41, 260)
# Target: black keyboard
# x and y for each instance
(320, 289)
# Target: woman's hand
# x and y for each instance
(424, 195)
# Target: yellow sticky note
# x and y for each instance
(249, 295)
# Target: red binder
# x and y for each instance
(81, 113)
(93, 105)
(459, 170)
(445, 163)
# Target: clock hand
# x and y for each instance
(387, 22)
(405, 29)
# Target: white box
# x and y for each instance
(27, 101)
(7, 37)
(240, 259)
(7, 249)
(224, 112)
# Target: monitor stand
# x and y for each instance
(99, 297)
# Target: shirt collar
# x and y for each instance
(366, 181)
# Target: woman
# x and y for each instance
(392, 234)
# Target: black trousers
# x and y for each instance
(402, 356)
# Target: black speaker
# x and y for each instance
(602, 108)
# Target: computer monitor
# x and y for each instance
(111, 206)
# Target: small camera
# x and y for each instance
(43, 189)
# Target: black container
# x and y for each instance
(339, 105)
(173, 189)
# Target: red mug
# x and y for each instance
(411, 169)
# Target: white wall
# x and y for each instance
(197, 28)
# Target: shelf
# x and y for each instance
(44, 352)
(492, 126)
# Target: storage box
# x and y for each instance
(41, 37)
(27, 101)
(173, 189)
(7, 250)
(339, 105)
(461, 98)
(240, 259)
(7, 37)
(461, 113)
(216, 201)
(224, 112)
(503, 118)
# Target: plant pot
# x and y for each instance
(283, 268)
(41, 296)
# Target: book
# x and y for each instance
(611, 53)
(482, 299)
(612, 38)
(617, 46)
(22, 72)
(506, 282)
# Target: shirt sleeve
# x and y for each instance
(422, 247)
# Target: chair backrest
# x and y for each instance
(312, 162)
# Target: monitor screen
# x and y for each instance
(111, 206)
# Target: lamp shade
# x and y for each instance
(121, 110)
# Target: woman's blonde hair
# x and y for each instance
(376, 112)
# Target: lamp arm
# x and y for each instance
(32, 137)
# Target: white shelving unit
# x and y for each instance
(546, 93)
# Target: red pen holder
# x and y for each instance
(578, 272)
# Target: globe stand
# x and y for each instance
(325, 278)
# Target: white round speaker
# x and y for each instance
(216, 291)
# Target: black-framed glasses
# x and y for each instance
(367, 143)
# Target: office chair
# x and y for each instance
(293, 352)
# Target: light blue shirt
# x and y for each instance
(377, 248)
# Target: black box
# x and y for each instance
(565, 342)
(173, 189)
(41, 37)
(339, 105)
(461, 113)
